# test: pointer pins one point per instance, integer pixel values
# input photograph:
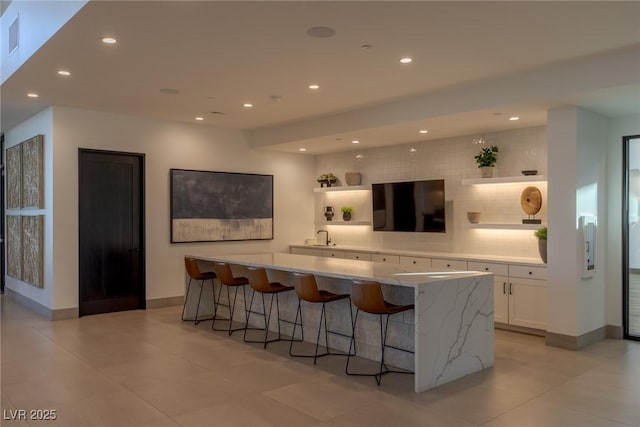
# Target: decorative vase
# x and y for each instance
(487, 171)
(346, 216)
(542, 249)
(328, 213)
(352, 178)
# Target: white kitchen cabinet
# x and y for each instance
(417, 261)
(528, 303)
(362, 256)
(391, 259)
(332, 253)
(501, 299)
(449, 264)
(306, 251)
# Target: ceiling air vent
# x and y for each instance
(13, 36)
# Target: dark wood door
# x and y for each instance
(111, 234)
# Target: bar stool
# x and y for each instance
(260, 283)
(307, 290)
(367, 296)
(226, 279)
(191, 265)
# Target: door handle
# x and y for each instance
(504, 287)
(510, 293)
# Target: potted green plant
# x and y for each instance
(486, 160)
(541, 234)
(346, 212)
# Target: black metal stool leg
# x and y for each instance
(186, 298)
(199, 298)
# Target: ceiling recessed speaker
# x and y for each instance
(321, 32)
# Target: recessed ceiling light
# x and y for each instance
(199, 118)
(406, 60)
(423, 131)
(109, 40)
(32, 95)
(64, 72)
(321, 32)
(302, 149)
(314, 87)
(247, 105)
(355, 141)
(514, 118)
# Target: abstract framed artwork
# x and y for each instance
(14, 177)
(220, 206)
(14, 246)
(32, 173)
(32, 232)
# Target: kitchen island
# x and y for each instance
(450, 330)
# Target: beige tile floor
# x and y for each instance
(147, 368)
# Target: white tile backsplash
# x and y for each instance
(453, 160)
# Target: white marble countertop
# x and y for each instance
(448, 255)
(392, 274)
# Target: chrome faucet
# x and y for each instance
(327, 240)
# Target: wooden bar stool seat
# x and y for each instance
(367, 296)
(259, 282)
(307, 290)
(227, 280)
(193, 270)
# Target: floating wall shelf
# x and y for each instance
(514, 226)
(341, 188)
(504, 180)
(344, 223)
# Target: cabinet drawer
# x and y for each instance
(539, 273)
(333, 254)
(499, 269)
(363, 256)
(417, 261)
(448, 264)
(391, 259)
(306, 251)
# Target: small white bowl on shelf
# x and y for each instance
(474, 217)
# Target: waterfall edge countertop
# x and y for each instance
(453, 316)
(390, 274)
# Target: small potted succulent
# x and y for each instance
(486, 160)
(346, 212)
(541, 234)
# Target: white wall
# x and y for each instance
(453, 160)
(620, 127)
(40, 124)
(578, 186)
(593, 130)
(165, 145)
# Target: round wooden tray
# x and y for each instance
(531, 200)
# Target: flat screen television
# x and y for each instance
(416, 206)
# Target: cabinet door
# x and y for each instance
(363, 256)
(528, 303)
(392, 259)
(417, 261)
(490, 267)
(333, 254)
(306, 251)
(449, 264)
(501, 299)
(528, 272)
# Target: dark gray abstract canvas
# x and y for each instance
(214, 206)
